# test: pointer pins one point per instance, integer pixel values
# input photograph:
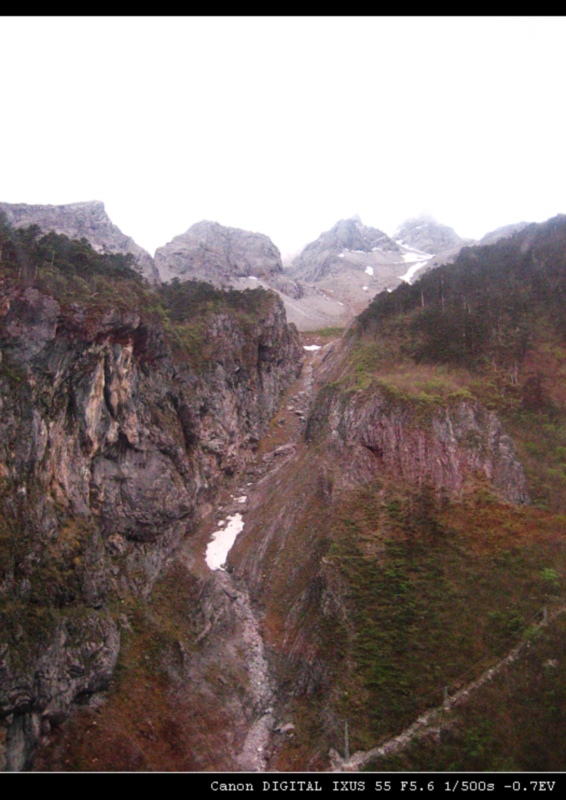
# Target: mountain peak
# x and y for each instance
(323, 255)
(213, 252)
(426, 234)
(87, 219)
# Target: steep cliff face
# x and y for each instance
(87, 220)
(445, 447)
(109, 445)
(355, 438)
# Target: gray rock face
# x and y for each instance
(78, 660)
(323, 256)
(372, 433)
(87, 220)
(214, 253)
(108, 448)
(429, 236)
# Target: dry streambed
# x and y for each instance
(274, 450)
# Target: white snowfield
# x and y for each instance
(369, 270)
(222, 540)
(415, 255)
(411, 271)
(417, 258)
(311, 347)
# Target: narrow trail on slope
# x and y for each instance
(434, 718)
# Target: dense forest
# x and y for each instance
(484, 308)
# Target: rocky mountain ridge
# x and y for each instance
(77, 220)
(319, 258)
(342, 270)
(330, 281)
(224, 257)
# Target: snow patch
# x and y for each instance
(369, 270)
(222, 541)
(410, 272)
(340, 255)
(365, 288)
(311, 347)
(416, 255)
(253, 278)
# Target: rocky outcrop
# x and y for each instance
(360, 446)
(428, 236)
(77, 661)
(214, 253)
(444, 447)
(87, 220)
(323, 256)
(108, 448)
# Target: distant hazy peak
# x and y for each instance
(425, 234)
(502, 233)
(323, 255)
(354, 235)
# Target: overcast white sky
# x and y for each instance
(285, 125)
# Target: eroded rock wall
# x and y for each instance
(443, 446)
(108, 447)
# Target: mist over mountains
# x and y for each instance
(330, 281)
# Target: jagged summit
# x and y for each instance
(347, 266)
(321, 257)
(87, 220)
(425, 234)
